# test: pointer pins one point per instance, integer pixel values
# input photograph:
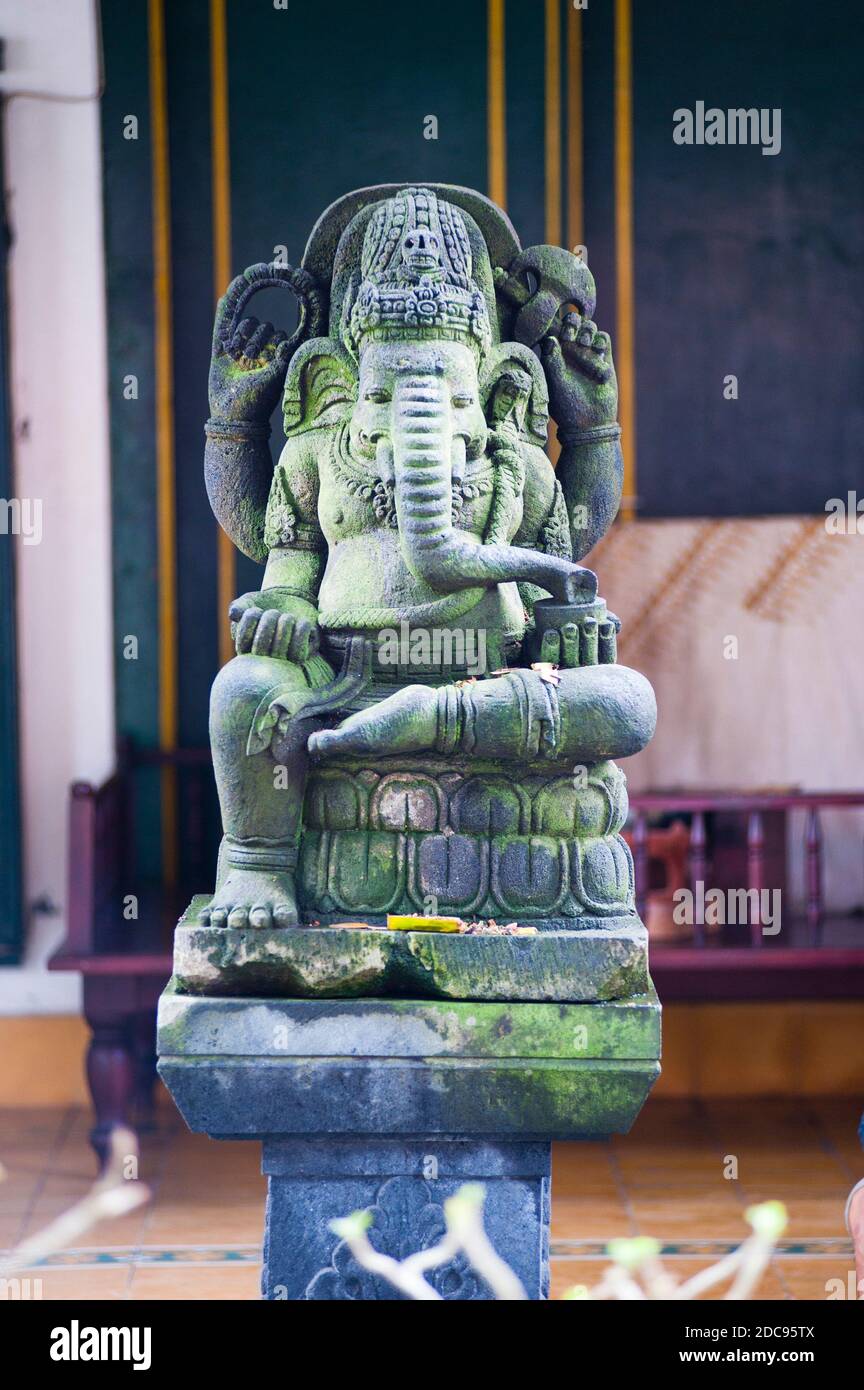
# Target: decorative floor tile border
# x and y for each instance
(226, 1256)
(787, 1248)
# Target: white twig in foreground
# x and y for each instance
(463, 1216)
(113, 1194)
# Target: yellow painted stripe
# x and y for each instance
(575, 133)
(496, 119)
(552, 152)
(553, 122)
(625, 347)
(221, 199)
(165, 495)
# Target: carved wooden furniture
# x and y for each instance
(125, 960)
(814, 956)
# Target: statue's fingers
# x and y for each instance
(306, 640)
(265, 631)
(242, 332)
(282, 636)
(550, 647)
(238, 608)
(279, 361)
(600, 343)
(267, 353)
(550, 349)
(586, 334)
(570, 327)
(269, 349)
(246, 629)
(228, 310)
(256, 340)
(569, 645)
(584, 359)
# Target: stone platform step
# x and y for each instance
(592, 964)
(253, 1067)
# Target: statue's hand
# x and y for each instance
(273, 623)
(249, 359)
(583, 390)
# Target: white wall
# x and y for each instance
(779, 707)
(60, 419)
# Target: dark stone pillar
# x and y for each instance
(405, 1183)
(394, 1104)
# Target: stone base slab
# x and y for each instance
(319, 962)
(253, 1068)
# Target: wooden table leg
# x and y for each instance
(110, 1063)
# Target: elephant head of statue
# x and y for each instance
(417, 381)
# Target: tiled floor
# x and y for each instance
(685, 1175)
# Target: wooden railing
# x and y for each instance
(800, 953)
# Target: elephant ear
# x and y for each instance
(507, 356)
(320, 388)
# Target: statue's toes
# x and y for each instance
(218, 917)
(238, 916)
(260, 915)
(204, 916)
(284, 915)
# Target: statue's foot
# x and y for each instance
(405, 722)
(252, 898)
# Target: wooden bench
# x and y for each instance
(126, 959)
(738, 840)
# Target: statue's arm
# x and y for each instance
(296, 548)
(238, 468)
(248, 365)
(584, 402)
(280, 619)
(590, 472)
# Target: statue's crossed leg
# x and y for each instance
(584, 715)
(267, 722)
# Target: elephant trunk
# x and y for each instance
(424, 451)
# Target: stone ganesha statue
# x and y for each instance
(413, 497)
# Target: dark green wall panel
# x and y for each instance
(129, 258)
(749, 264)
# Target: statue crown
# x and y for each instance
(416, 275)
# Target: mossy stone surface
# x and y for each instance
(195, 1026)
(325, 962)
(374, 1067)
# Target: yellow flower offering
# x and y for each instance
(397, 923)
